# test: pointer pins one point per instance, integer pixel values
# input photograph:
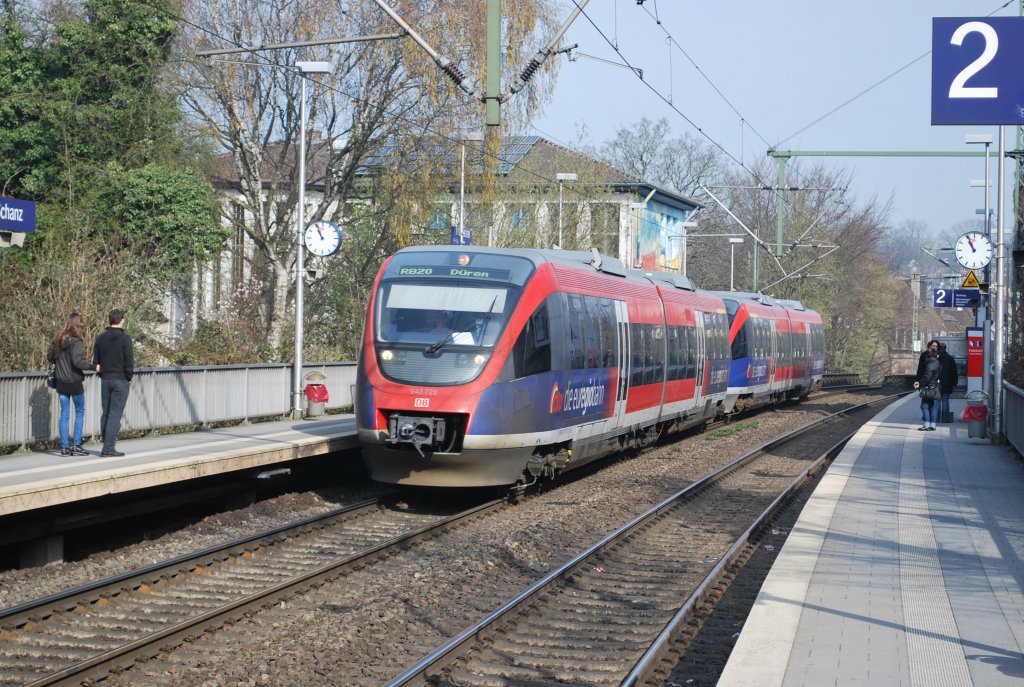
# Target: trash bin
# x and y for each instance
(976, 414)
(316, 394)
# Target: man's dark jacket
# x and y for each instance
(115, 355)
(948, 376)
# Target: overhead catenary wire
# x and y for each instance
(871, 87)
(691, 122)
(441, 135)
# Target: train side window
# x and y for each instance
(691, 352)
(531, 353)
(674, 372)
(721, 337)
(709, 335)
(647, 365)
(590, 318)
(577, 345)
(658, 350)
(739, 344)
(636, 344)
(607, 341)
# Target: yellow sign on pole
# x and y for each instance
(970, 281)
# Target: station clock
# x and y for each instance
(973, 250)
(322, 238)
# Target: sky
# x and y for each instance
(767, 71)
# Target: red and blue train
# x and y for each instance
(487, 367)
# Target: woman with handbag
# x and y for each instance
(67, 352)
(928, 385)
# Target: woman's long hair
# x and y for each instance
(72, 327)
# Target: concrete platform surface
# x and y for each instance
(38, 480)
(904, 568)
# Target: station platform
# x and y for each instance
(906, 567)
(40, 480)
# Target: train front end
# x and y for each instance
(431, 346)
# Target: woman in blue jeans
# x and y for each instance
(67, 352)
(929, 377)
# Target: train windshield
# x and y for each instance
(439, 314)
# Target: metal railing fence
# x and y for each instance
(1013, 416)
(162, 397)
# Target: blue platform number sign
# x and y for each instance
(955, 298)
(977, 68)
(17, 215)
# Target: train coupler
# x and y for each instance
(419, 432)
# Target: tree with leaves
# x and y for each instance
(374, 122)
(92, 135)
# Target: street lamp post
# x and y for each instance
(689, 224)
(732, 259)
(300, 225)
(471, 136)
(562, 176)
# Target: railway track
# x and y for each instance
(86, 633)
(609, 615)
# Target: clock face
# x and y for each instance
(973, 250)
(322, 238)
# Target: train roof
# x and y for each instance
(676, 281)
(791, 304)
(760, 298)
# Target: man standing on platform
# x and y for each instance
(114, 354)
(948, 378)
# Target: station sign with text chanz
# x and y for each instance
(17, 215)
(976, 70)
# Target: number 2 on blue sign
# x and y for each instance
(942, 298)
(958, 88)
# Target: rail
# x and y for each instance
(164, 397)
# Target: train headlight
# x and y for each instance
(479, 359)
(387, 356)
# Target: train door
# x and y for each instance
(701, 358)
(625, 356)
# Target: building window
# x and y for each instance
(441, 220)
(237, 247)
(519, 217)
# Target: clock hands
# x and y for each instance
(971, 244)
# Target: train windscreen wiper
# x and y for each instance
(433, 348)
(445, 340)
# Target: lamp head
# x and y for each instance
(314, 67)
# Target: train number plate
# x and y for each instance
(421, 403)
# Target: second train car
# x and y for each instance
(487, 367)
